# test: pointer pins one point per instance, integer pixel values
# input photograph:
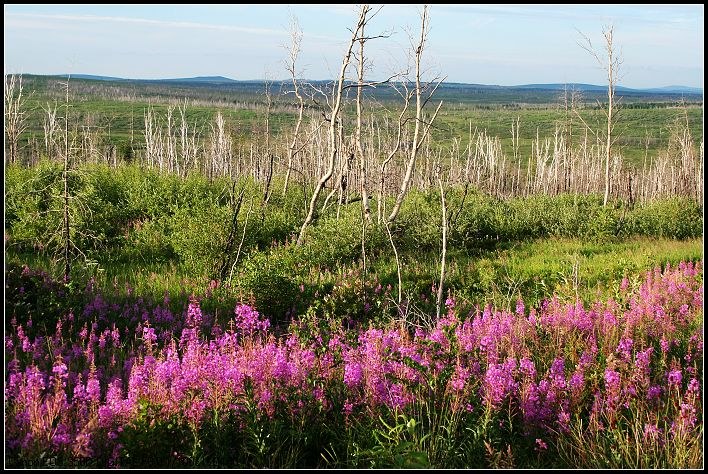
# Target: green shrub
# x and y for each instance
(197, 235)
(32, 215)
(151, 441)
(268, 277)
(147, 243)
(675, 217)
(481, 220)
(335, 240)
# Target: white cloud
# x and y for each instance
(144, 21)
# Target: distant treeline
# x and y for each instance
(472, 94)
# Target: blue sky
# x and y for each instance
(487, 44)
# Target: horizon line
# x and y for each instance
(108, 78)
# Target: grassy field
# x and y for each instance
(117, 112)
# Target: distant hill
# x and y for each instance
(573, 85)
(199, 79)
(218, 80)
(224, 88)
(91, 77)
(594, 88)
(676, 90)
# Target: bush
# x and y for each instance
(675, 217)
(29, 201)
(331, 241)
(197, 235)
(268, 279)
(481, 221)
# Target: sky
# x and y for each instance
(659, 45)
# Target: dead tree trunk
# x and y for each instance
(269, 154)
(438, 305)
(401, 123)
(336, 105)
(418, 135)
(65, 180)
(612, 68)
(296, 35)
(359, 149)
(223, 269)
(15, 122)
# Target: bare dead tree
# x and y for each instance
(154, 149)
(51, 128)
(571, 101)
(65, 180)
(406, 94)
(221, 271)
(89, 144)
(611, 65)
(132, 129)
(365, 210)
(422, 128)
(189, 140)
(444, 242)
(361, 60)
(268, 151)
(398, 263)
(334, 114)
(294, 52)
(240, 245)
(15, 115)
(357, 140)
(171, 141)
(220, 150)
(66, 239)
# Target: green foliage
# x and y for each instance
(418, 224)
(398, 445)
(266, 278)
(198, 235)
(151, 441)
(146, 243)
(571, 268)
(228, 439)
(34, 295)
(335, 240)
(676, 218)
(17, 206)
(153, 229)
(30, 198)
(106, 210)
(477, 223)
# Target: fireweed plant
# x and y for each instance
(615, 384)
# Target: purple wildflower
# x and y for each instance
(654, 392)
(674, 377)
(540, 445)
